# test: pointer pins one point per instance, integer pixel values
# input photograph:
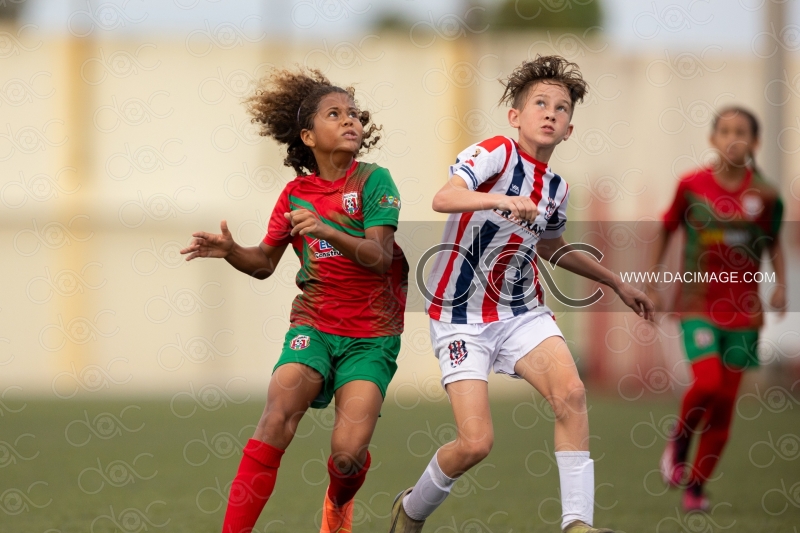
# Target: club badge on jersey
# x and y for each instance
(350, 203)
(551, 208)
(752, 206)
(458, 352)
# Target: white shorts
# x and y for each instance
(469, 351)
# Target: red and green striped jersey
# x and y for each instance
(727, 233)
(339, 296)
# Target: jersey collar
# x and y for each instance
(326, 184)
(748, 177)
(540, 166)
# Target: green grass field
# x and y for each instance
(131, 466)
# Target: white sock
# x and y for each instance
(576, 473)
(429, 492)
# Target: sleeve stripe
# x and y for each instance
(555, 183)
(561, 224)
(468, 171)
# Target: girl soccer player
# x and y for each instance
(731, 216)
(486, 305)
(340, 216)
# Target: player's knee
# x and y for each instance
(719, 403)
(348, 459)
(568, 399)
(476, 450)
(345, 463)
(276, 422)
(708, 387)
(716, 437)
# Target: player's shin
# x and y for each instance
(429, 493)
(337, 512)
(252, 486)
(343, 487)
(576, 475)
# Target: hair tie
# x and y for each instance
(298, 113)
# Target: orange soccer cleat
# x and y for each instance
(336, 519)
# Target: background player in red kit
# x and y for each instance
(339, 215)
(731, 216)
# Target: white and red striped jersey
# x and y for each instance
(486, 270)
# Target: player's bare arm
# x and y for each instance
(659, 249)
(374, 252)
(657, 254)
(582, 265)
(257, 261)
(456, 197)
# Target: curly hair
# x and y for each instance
(547, 69)
(285, 103)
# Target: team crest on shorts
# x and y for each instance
(703, 337)
(350, 202)
(300, 342)
(458, 352)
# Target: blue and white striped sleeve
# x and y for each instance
(557, 222)
(480, 161)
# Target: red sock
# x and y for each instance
(252, 486)
(697, 401)
(343, 487)
(713, 440)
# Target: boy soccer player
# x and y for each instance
(506, 206)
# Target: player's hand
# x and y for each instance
(210, 244)
(521, 207)
(778, 300)
(655, 297)
(304, 222)
(637, 300)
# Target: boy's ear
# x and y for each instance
(569, 132)
(308, 138)
(513, 118)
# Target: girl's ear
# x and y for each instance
(308, 138)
